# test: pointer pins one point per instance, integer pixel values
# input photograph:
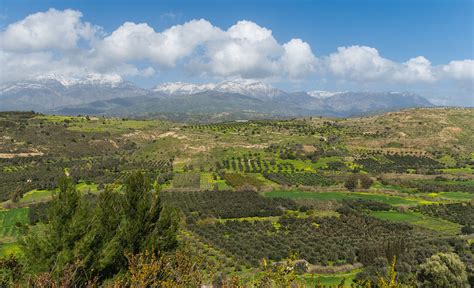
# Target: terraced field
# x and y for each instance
(419, 220)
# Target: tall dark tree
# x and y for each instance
(95, 235)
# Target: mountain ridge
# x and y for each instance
(235, 98)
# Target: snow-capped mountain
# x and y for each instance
(323, 94)
(99, 94)
(180, 88)
(251, 88)
(52, 91)
(112, 80)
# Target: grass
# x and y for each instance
(330, 279)
(38, 195)
(392, 200)
(7, 249)
(379, 185)
(9, 220)
(208, 182)
(455, 196)
(457, 170)
(85, 188)
(419, 219)
(324, 161)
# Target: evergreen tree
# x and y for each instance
(95, 235)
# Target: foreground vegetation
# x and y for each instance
(305, 202)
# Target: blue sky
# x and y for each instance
(439, 31)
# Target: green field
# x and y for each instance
(392, 200)
(454, 196)
(312, 280)
(9, 219)
(38, 195)
(208, 182)
(419, 219)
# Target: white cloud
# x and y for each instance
(365, 64)
(60, 42)
(52, 29)
(140, 42)
(417, 69)
(298, 59)
(358, 63)
(245, 50)
(460, 69)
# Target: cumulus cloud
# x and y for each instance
(298, 59)
(52, 29)
(416, 69)
(460, 69)
(140, 42)
(364, 64)
(60, 42)
(358, 63)
(245, 49)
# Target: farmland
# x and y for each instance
(250, 191)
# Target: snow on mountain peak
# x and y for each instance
(248, 87)
(180, 88)
(92, 79)
(323, 94)
(241, 86)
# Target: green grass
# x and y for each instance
(324, 161)
(454, 196)
(419, 219)
(379, 185)
(9, 219)
(208, 182)
(457, 170)
(330, 279)
(85, 188)
(36, 196)
(7, 249)
(392, 200)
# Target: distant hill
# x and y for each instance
(228, 100)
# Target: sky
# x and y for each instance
(420, 46)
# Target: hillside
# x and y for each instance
(335, 191)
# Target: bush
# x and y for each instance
(358, 181)
(442, 270)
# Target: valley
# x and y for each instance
(337, 197)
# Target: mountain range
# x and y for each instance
(227, 100)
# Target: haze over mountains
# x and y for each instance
(227, 100)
